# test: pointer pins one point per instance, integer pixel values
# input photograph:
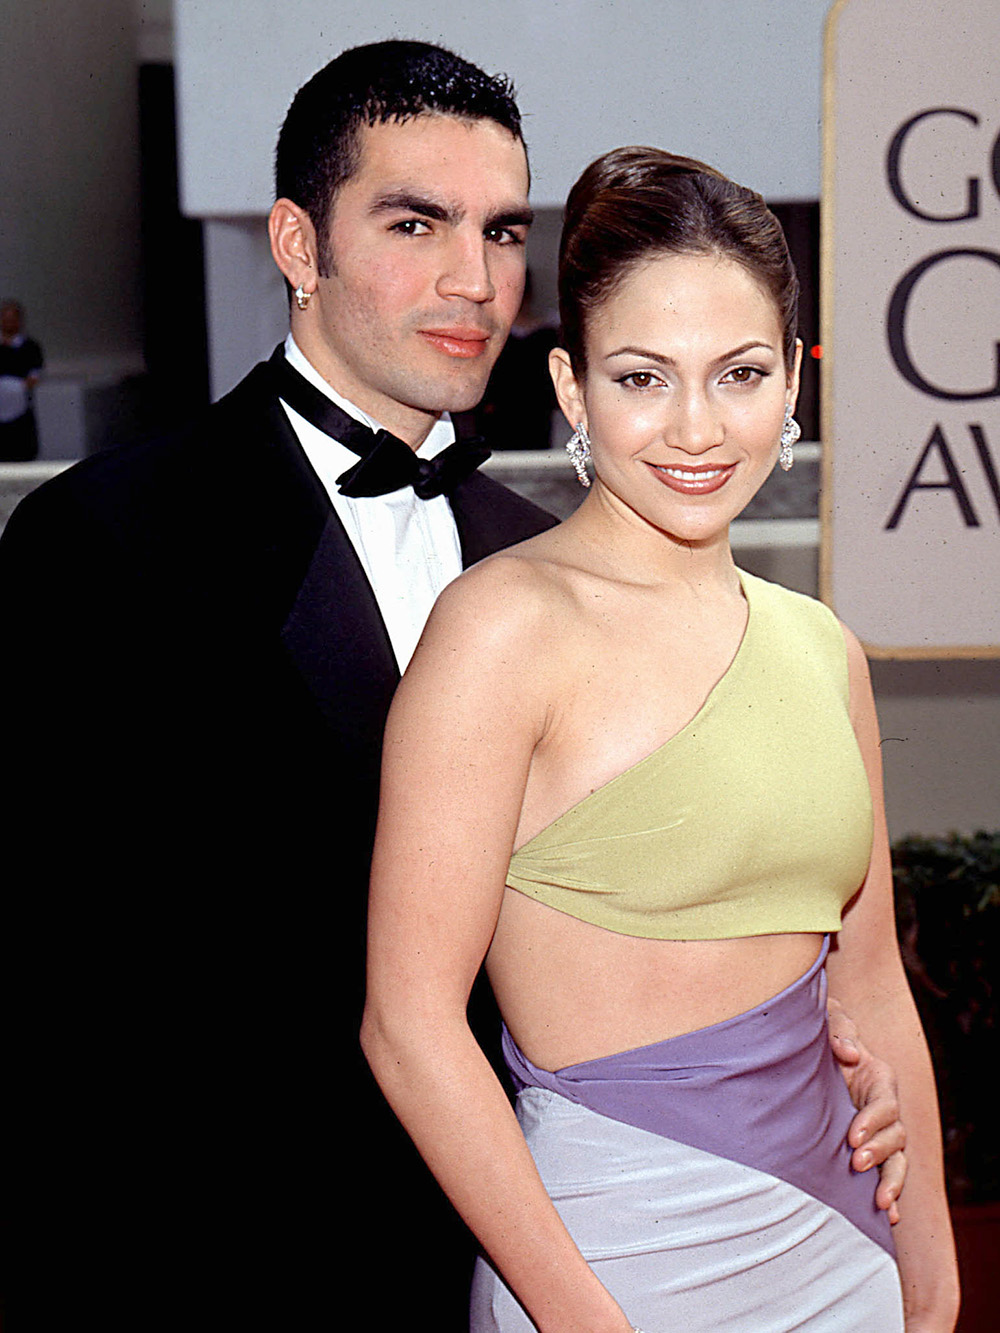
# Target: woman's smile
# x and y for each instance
(688, 480)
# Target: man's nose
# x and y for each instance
(467, 270)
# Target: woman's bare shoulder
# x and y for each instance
(487, 664)
(858, 670)
(862, 701)
(515, 593)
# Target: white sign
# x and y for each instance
(911, 325)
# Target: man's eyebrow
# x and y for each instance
(511, 217)
(403, 201)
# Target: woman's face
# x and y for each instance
(685, 392)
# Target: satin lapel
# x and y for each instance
(490, 518)
(338, 640)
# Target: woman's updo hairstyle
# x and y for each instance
(636, 204)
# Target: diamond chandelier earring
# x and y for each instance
(790, 432)
(302, 297)
(578, 448)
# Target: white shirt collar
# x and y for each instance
(441, 434)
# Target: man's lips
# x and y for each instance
(687, 479)
(457, 342)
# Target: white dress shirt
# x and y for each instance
(408, 547)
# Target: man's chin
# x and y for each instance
(456, 396)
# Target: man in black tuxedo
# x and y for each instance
(203, 637)
(203, 672)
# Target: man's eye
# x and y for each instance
(504, 236)
(411, 227)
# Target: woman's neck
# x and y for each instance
(628, 546)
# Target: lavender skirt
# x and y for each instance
(707, 1180)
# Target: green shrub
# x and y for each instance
(948, 917)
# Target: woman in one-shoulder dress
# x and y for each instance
(645, 787)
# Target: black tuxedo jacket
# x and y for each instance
(202, 678)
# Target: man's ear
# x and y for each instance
(569, 390)
(293, 244)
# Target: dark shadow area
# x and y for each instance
(800, 221)
(175, 386)
(955, 677)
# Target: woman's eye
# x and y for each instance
(744, 374)
(639, 379)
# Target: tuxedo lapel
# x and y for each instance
(337, 638)
(309, 577)
(490, 518)
(325, 609)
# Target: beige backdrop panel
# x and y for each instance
(911, 521)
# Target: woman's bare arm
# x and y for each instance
(458, 747)
(866, 974)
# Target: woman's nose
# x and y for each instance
(697, 425)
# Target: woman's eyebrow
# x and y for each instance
(648, 354)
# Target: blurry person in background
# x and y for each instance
(20, 362)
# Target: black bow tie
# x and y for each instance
(386, 463)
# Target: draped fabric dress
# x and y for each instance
(706, 1178)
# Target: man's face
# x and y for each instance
(427, 247)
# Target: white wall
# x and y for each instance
(245, 300)
(736, 83)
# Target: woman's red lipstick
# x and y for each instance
(688, 479)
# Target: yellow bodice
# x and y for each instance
(754, 819)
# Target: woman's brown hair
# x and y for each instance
(635, 204)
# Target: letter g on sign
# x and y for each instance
(895, 327)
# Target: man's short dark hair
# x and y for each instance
(319, 148)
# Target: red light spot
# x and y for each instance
(816, 352)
